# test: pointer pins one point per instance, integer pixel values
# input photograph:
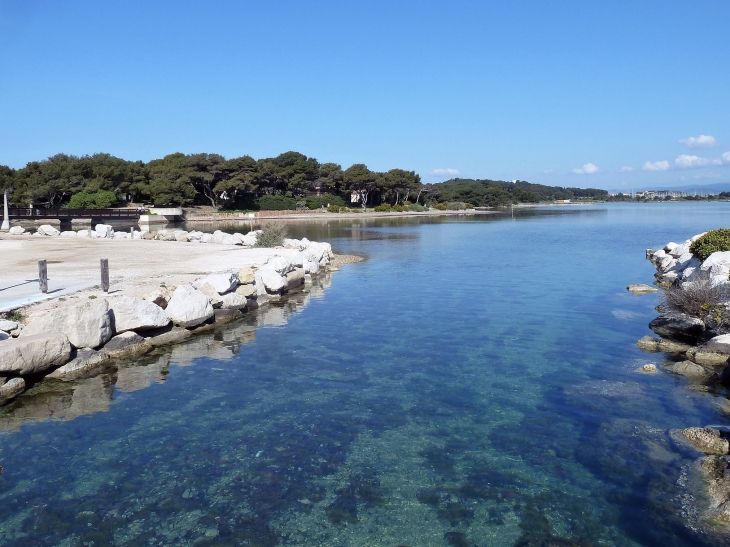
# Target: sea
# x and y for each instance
(474, 381)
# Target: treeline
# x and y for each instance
(185, 179)
(288, 181)
(494, 193)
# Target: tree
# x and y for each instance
(360, 181)
(331, 177)
(401, 183)
(296, 171)
(239, 177)
(170, 182)
(205, 172)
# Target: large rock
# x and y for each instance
(47, 230)
(690, 370)
(221, 282)
(7, 326)
(11, 388)
(208, 290)
(16, 231)
(719, 260)
(718, 344)
(87, 325)
(104, 231)
(234, 301)
(272, 280)
(206, 238)
(246, 276)
(159, 296)
(706, 440)
(682, 328)
(68, 233)
(250, 238)
(295, 278)
(247, 291)
(32, 354)
(169, 336)
(132, 313)
(125, 345)
(704, 357)
(82, 361)
(716, 471)
(280, 264)
(188, 307)
(650, 343)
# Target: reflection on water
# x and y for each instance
(474, 383)
(63, 400)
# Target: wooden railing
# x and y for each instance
(36, 212)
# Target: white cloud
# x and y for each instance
(549, 171)
(725, 157)
(686, 161)
(703, 141)
(707, 176)
(445, 172)
(626, 169)
(587, 169)
(656, 165)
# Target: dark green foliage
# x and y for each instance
(100, 200)
(713, 241)
(383, 208)
(277, 203)
(324, 200)
(272, 234)
(491, 193)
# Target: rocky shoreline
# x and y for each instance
(694, 332)
(67, 342)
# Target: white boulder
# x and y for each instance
(280, 264)
(68, 233)
(31, 354)
(206, 238)
(132, 313)
(16, 231)
(271, 279)
(221, 282)
(47, 230)
(12, 388)
(247, 291)
(104, 231)
(250, 238)
(234, 301)
(188, 307)
(7, 326)
(246, 276)
(208, 290)
(86, 325)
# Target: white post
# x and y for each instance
(6, 219)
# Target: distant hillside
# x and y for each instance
(492, 193)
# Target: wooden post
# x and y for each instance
(105, 274)
(43, 276)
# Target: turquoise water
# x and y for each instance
(473, 382)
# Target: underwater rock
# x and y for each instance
(641, 288)
(715, 470)
(706, 439)
(650, 343)
(690, 370)
(681, 328)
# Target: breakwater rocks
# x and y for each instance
(68, 341)
(693, 329)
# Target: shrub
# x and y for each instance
(713, 241)
(441, 206)
(333, 209)
(277, 203)
(272, 234)
(416, 207)
(400, 208)
(383, 208)
(328, 200)
(99, 200)
(696, 298)
(456, 206)
(468, 206)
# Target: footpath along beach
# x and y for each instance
(161, 291)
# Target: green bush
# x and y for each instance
(333, 209)
(277, 203)
(400, 208)
(416, 207)
(456, 206)
(711, 242)
(327, 200)
(383, 208)
(99, 200)
(272, 234)
(441, 206)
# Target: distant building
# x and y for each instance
(562, 201)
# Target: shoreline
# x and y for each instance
(160, 293)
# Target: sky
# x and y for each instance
(587, 93)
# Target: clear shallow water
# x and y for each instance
(472, 383)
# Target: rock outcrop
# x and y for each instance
(221, 282)
(82, 361)
(681, 328)
(707, 440)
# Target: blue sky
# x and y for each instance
(570, 93)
